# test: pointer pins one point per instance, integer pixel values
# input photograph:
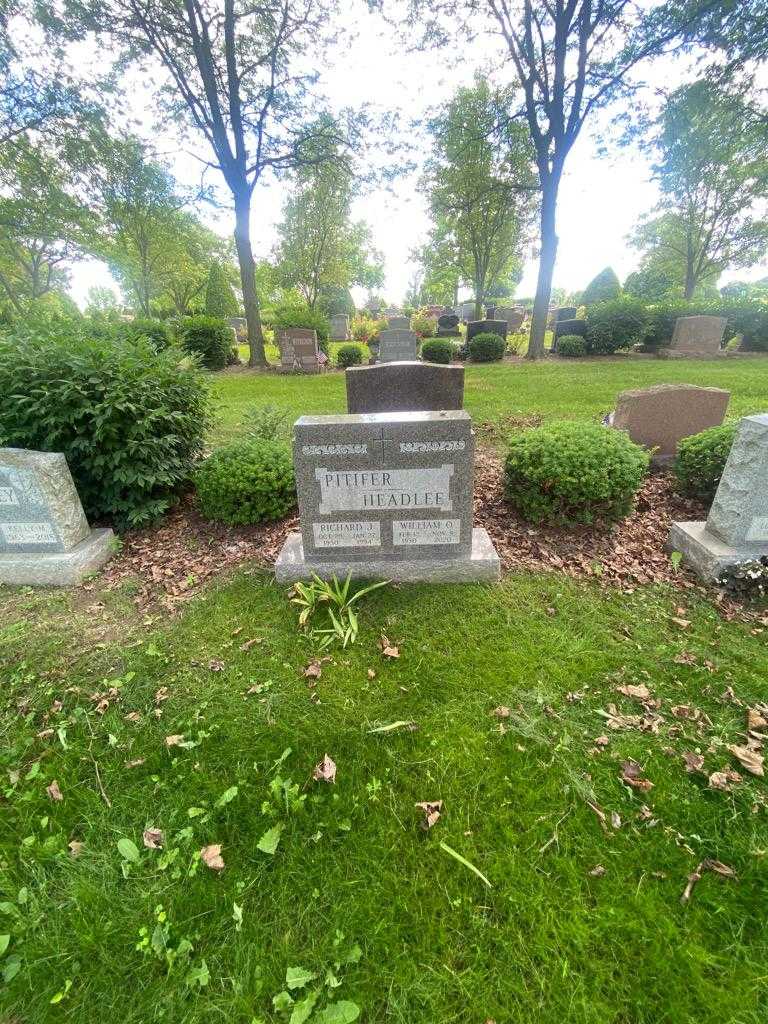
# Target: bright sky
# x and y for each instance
(601, 198)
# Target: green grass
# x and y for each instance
(547, 942)
(578, 390)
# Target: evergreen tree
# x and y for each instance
(219, 298)
(603, 287)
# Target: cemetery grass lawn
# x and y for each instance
(355, 886)
(494, 393)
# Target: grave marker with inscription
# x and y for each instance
(386, 495)
(404, 387)
(299, 351)
(44, 535)
(397, 346)
(737, 526)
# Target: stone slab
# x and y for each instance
(404, 387)
(40, 509)
(705, 553)
(399, 323)
(659, 417)
(58, 569)
(299, 351)
(698, 334)
(486, 327)
(340, 327)
(739, 512)
(397, 345)
(480, 563)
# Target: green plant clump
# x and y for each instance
(349, 355)
(268, 422)
(701, 460)
(246, 482)
(209, 338)
(424, 324)
(602, 288)
(157, 331)
(618, 323)
(573, 473)
(437, 350)
(487, 348)
(572, 346)
(219, 298)
(130, 420)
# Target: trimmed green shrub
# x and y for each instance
(157, 331)
(617, 324)
(571, 345)
(209, 338)
(219, 298)
(573, 473)
(437, 350)
(701, 460)
(131, 421)
(487, 348)
(424, 324)
(602, 288)
(247, 482)
(349, 355)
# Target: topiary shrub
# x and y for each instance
(209, 338)
(572, 346)
(157, 331)
(701, 460)
(602, 288)
(424, 324)
(131, 421)
(219, 298)
(349, 355)
(487, 348)
(247, 482)
(617, 324)
(573, 473)
(437, 350)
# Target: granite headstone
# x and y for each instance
(660, 416)
(44, 536)
(299, 351)
(404, 386)
(399, 323)
(387, 495)
(396, 345)
(448, 325)
(487, 327)
(698, 335)
(340, 327)
(737, 526)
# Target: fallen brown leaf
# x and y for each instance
(756, 719)
(211, 857)
(431, 809)
(250, 643)
(45, 734)
(216, 665)
(501, 711)
(53, 791)
(750, 759)
(162, 694)
(133, 716)
(601, 816)
(724, 780)
(693, 762)
(388, 649)
(325, 771)
(597, 871)
(631, 773)
(134, 764)
(153, 838)
(716, 866)
(313, 670)
(681, 623)
(371, 674)
(75, 847)
(175, 740)
(639, 692)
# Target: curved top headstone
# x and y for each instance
(404, 387)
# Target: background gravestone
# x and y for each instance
(44, 535)
(386, 495)
(299, 352)
(448, 325)
(404, 386)
(737, 526)
(512, 315)
(397, 345)
(487, 327)
(700, 335)
(399, 323)
(565, 327)
(660, 416)
(340, 327)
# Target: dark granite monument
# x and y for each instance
(386, 496)
(403, 387)
(487, 327)
(448, 325)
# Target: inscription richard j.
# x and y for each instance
(384, 489)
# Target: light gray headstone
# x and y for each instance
(399, 323)
(397, 345)
(340, 327)
(386, 494)
(737, 526)
(701, 335)
(44, 535)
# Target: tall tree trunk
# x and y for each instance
(546, 267)
(478, 301)
(690, 280)
(257, 356)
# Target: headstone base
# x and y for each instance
(65, 569)
(705, 553)
(482, 563)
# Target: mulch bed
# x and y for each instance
(171, 562)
